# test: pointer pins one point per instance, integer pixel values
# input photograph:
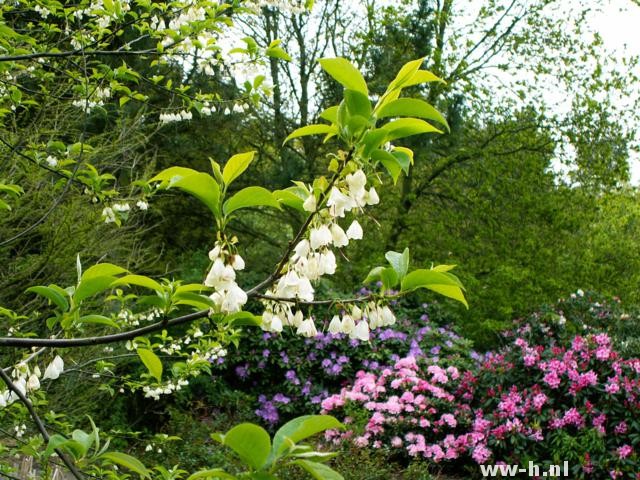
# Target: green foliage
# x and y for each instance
(264, 459)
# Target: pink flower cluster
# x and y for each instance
(525, 395)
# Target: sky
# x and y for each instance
(620, 31)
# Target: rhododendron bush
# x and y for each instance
(578, 403)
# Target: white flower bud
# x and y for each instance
(340, 238)
(361, 332)
(335, 326)
(310, 203)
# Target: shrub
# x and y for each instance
(544, 403)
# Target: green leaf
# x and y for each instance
(443, 268)
(423, 76)
(374, 275)
(52, 295)
(215, 473)
(98, 319)
(139, 280)
(193, 299)
(236, 165)
(315, 129)
(372, 140)
(405, 127)
(289, 198)
(389, 162)
(405, 74)
(200, 185)
(102, 270)
(57, 441)
(299, 429)
(345, 73)
(403, 159)
(412, 107)
(441, 282)
(250, 442)
(127, 461)
(152, 362)
(278, 52)
(357, 103)
(319, 471)
(399, 262)
(243, 319)
(250, 197)
(91, 286)
(331, 114)
(389, 277)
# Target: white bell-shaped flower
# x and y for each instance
(335, 326)
(54, 369)
(307, 328)
(361, 332)
(348, 325)
(328, 263)
(339, 203)
(33, 383)
(302, 249)
(237, 262)
(354, 232)
(320, 237)
(340, 238)
(356, 313)
(372, 197)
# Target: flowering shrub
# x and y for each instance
(582, 313)
(292, 374)
(548, 404)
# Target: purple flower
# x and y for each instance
(242, 371)
(266, 353)
(281, 398)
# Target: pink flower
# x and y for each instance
(624, 451)
(481, 453)
(552, 379)
(449, 420)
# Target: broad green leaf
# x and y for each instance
(357, 103)
(139, 280)
(405, 127)
(289, 198)
(345, 73)
(213, 474)
(77, 449)
(243, 319)
(372, 140)
(52, 295)
(389, 277)
(236, 165)
(403, 159)
(319, 471)
(102, 270)
(200, 185)
(389, 162)
(315, 456)
(399, 262)
(331, 114)
(441, 282)
(92, 286)
(374, 275)
(278, 52)
(423, 76)
(250, 197)
(152, 362)
(315, 129)
(193, 299)
(405, 74)
(127, 461)
(299, 429)
(412, 107)
(98, 319)
(83, 438)
(251, 442)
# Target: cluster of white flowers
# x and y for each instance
(166, 389)
(134, 319)
(175, 117)
(359, 322)
(43, 11)
(210, 354)
(228, 296)
(117, 210)
(51, 161)
(295, 7)
(27, 380)
(96, 98)
(313, 257)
